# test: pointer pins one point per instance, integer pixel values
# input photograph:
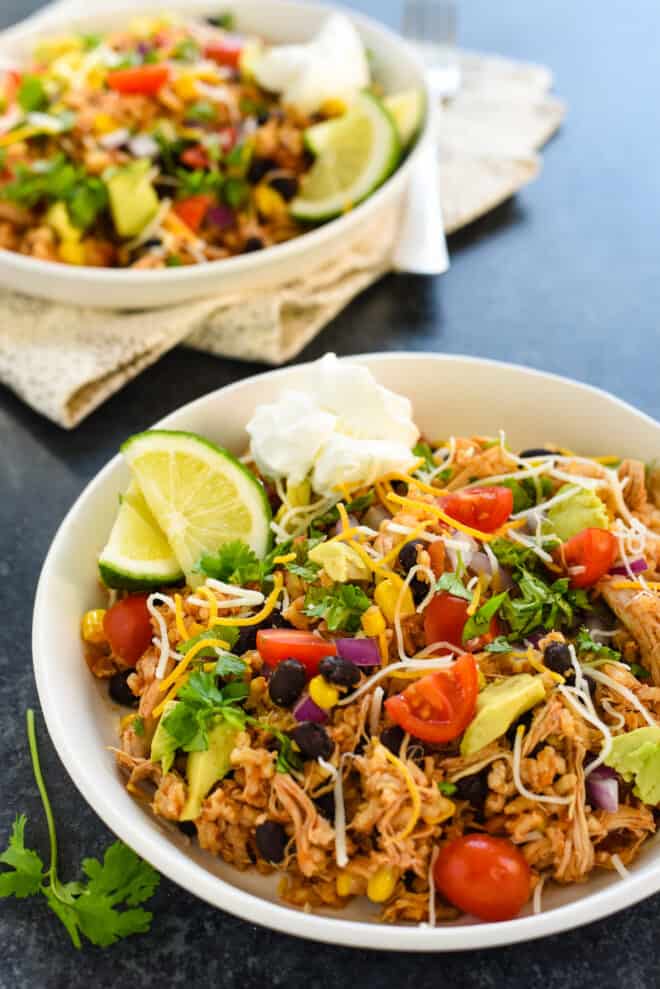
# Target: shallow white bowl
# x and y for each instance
(458, 395)
(395, 67)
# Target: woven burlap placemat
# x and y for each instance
(65, 361)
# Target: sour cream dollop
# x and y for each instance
(343, 428)
(333, 66)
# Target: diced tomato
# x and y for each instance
(226, 52)
(483, 876)
(143, 79)
(127, 626)
(444, 620)
(485, 509)
(438, 707)
(593, 549)
(277, 644)
(11, 82)
(228, 137)
(196, 157)
(193, 210)
(436, 552)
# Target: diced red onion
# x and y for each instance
(114, 139)
(603, 789)
(637, 566)
(339, 527)
(221, 216)
(361, 652)
(143, 146)
(535, 637)
(505, 578)
(307, 710)
(375, 515)
(480, 563)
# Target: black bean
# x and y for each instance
(262, 117)
(247, 636)
(258, 168)
(271, 840)
(408, 554)
(286, 185)
(419, 589)
(474, 789)
(334, 669)
(524, 719)
(312, 740)
(188, 828)
(392, 738)
(120, 692)
(326, 805)
(153, 242)
(252, 244)
(557, 657)
(536, 451)
(287, 683)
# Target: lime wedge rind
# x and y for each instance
(407, 109)
(355, 154)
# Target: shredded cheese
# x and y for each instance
(394, 552)
(574, 696)
(635, 585)
(431, 881)
(207, 593)
(620, 721)
(413, 789)
(341, 854)
(158, 710)
(619, 866)
(476, 597)
(538, 891)
(269, 604)
(375, 710)
(179, 670)
(163, 643)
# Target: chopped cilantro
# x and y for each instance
(511, 554)
(91, 907)
(90, 41)
(224, 21)
(446, 788)
(528, 491)
(584, 643)
(452, 584)
(203, 111)
(31, 94)
(193, 183)
(341, 605)
(229, 665)
(186, 50)
(235, 192)
(138, 726)
(288, 757)
(444, 475)
(422, 449)
(201, 703)
(234, 563)
(500, 644)
(639, 671)
(173, 261)
(59, 179)
(479, 623)
(541, 604)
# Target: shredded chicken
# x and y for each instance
(313, 834)
(170, 797)
(490, 462)
(640, 613)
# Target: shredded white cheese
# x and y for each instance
(428, 665)
(538, 892)
(434, 855)
(375, 710)
(619, 866)
(163, 643)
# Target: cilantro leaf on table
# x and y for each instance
(479, 623)
(541, 604)
(584, 643)
(452, 584)
(89, 908)
(341, 605)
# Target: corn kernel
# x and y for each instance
(373, 622)
(381, 885)
(269, 202)
(96, 77)
(185, 87)
(92, 626)
(103, 123)
(323, 693)
(386, 596)
(347, 884)
(333, 108)
(72, 252)
(298, 495)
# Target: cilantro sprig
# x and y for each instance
(200, 705)
(541, 604)
(585, 644)
(58, 180)
(452, 584)
(341, 605)
(89, 908)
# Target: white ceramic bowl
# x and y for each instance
(395, 67)
(458, 395)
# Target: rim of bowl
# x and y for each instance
(280, 252)
(162, 853)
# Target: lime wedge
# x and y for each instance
(137, 556)
(407, 110)
(200, 495)
(355, 154)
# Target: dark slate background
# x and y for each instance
(565, 277)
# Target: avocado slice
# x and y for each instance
(163, 746)
(498, 707)
(583, 510)
(207, 767)
(636, 755)
(133, 200)
(340, 562)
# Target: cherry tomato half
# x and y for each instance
(444, 620)
(193, 209)
(484, 876)
(595, 550)
(196, 156)
(438, 707)
(485, 509)
(277, 644)
(436, 553)
(144, 79)
(226, 52)
(127, 627)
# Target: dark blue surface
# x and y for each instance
(565, 278)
